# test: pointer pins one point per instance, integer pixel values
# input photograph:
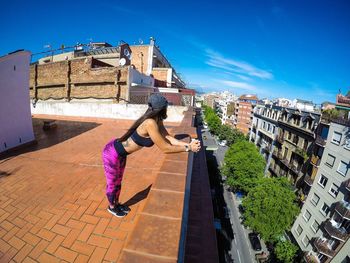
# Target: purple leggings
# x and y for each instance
(114, 166)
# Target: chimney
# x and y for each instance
(152, 41)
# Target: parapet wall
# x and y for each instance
(101, 109)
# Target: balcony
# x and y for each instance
(294, 167)
(310, 257)
(280, 138)
(273, 170)
(335, 231)
(320, 141)
(343, 208)
(315, 160)
(324, 248)
(347, 184)
(285, 161)
(308, 180)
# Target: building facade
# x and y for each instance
(285, 137)
(244, 112)
(264, 131)
(16, 120)
(322, 229)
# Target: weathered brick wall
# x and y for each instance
(160, 77)
(78, 79)
(52, 73)
(137, 59)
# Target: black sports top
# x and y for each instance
(141, 141)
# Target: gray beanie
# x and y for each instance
(157, 101)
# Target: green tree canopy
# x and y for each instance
(243, 165)
(270, 208)
(285, 251)
(224, 132)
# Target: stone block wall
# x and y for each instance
(79, 79)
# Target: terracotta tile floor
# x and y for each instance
(52, 202)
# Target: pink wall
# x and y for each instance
(15, 116)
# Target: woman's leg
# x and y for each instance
(112, 170)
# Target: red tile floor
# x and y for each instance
(52, 202)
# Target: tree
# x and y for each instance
(270, 208)
(243, 166)
(286, 251)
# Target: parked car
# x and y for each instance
(255, 241)
(223, 143)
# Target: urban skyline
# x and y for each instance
(270, 49)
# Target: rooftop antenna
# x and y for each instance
(50, 49)
(90, 45)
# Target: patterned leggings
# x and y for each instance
(114, 166)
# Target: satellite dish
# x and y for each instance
(122, 62)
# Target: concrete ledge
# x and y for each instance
(101, 109)
(160, 232)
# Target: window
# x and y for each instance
(336, 137)
(299, 230)
(305, 144)
(315, 226)
(315, 199)
(325, 210)
(347, 143)
(343, 168)
(330, 160)
(307, 215)
(306, 240)
(323, 181)
(334, 190)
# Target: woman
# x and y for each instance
(145, 132)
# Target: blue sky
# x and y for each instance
(293, 49)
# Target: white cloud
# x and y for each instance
(215, 59)
(238, 85)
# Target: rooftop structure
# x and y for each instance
(343, 102)
(16, 122)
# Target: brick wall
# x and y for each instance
(79, 78)
(137, 60)
(160, 77)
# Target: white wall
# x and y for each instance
(15, 117)
(136, 78)
(101, 109)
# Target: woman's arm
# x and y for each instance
(154, 132)
(170, 138)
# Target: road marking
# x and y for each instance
(239, 257)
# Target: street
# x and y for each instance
(226, 209)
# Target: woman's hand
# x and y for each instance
(195, 146)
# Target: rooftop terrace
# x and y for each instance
(53, 207)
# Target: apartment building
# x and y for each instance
(209, 100)
(264, 130)
(322, 229)
(285, 137)
(244, 112)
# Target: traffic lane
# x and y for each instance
(240, 234)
